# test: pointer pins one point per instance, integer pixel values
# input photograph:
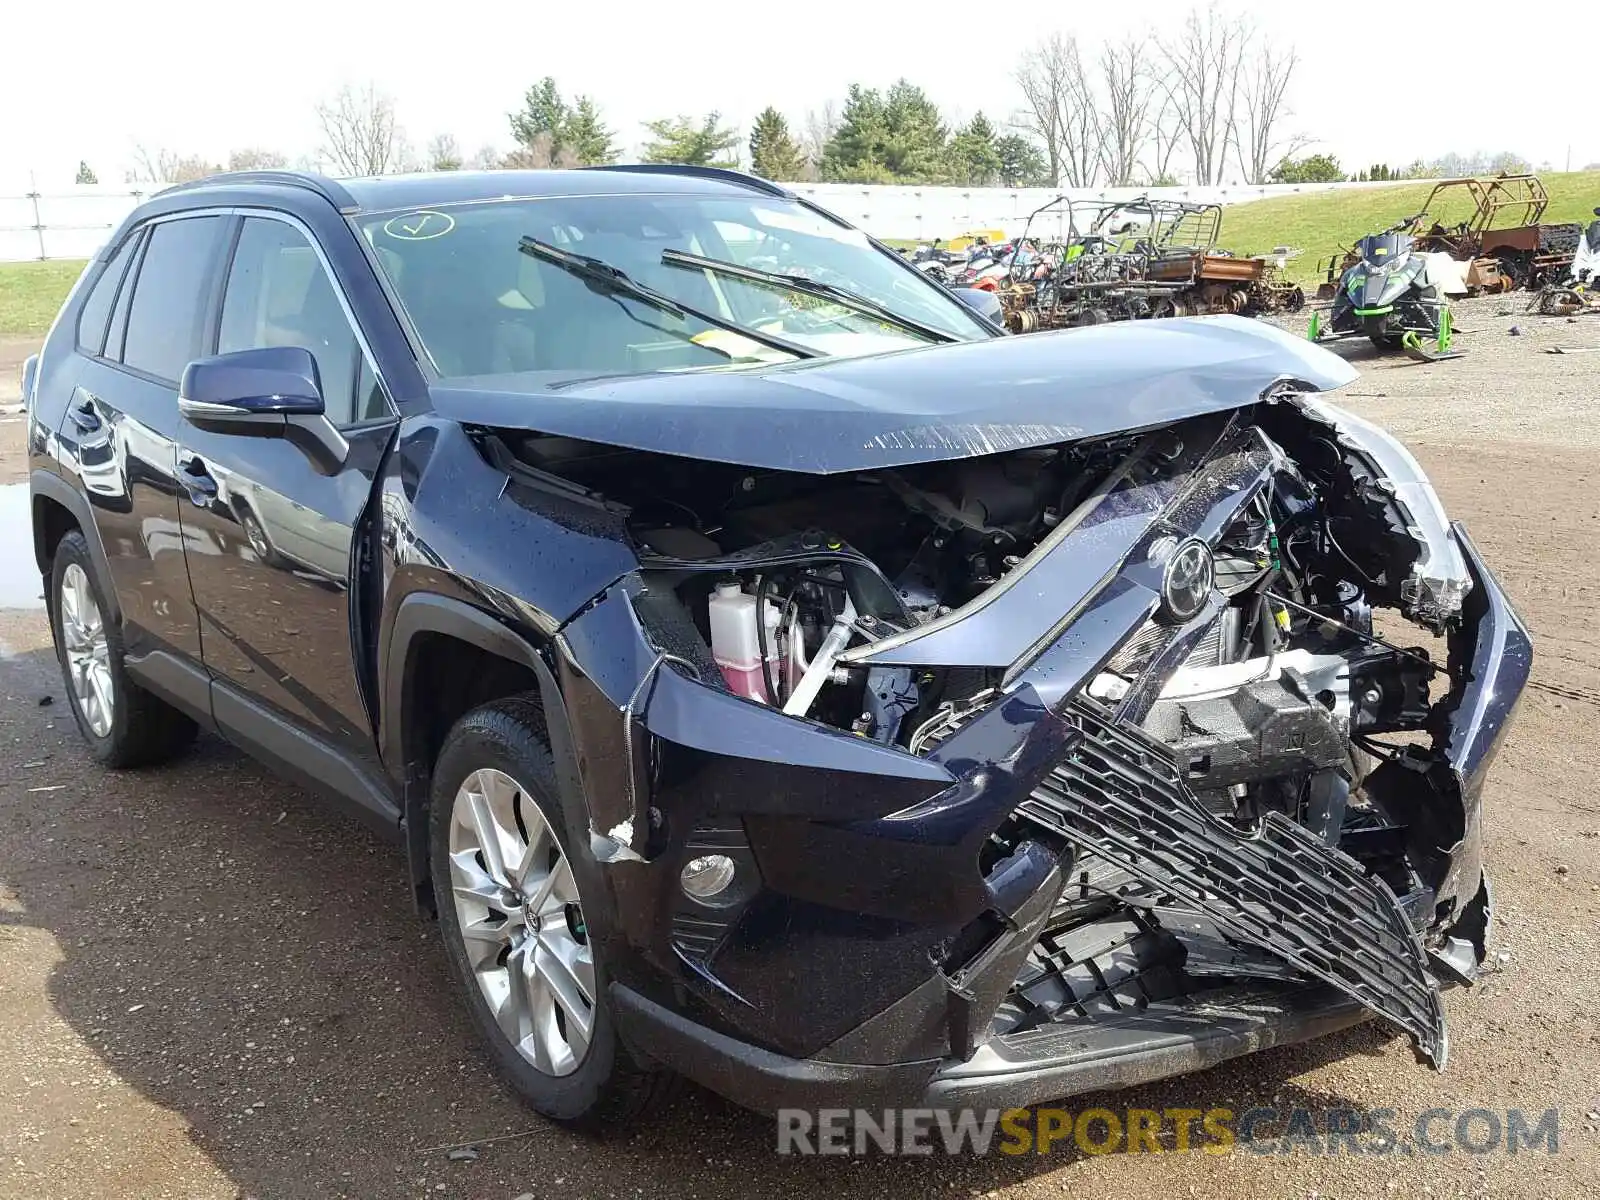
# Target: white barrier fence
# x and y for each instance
(924, 213)
(74, 222)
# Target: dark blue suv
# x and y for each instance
(774, 674)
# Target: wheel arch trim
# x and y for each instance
(420, 614)
(47, 485)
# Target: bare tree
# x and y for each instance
(1204, 62)
(1166, 132)
(1062, 111)
(253, 158)
(821, 124)
(1258, 135)
(1129, 92)
(168, 166)
(487, 158)
(444, 153)
(360, 136)
(540, 155)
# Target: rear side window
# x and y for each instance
(97, 308)
(119, 314)
(279, 295)
(169, 301)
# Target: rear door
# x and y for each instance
(271, 552)
(140, 326)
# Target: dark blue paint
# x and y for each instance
(275, 379)
(926, 404)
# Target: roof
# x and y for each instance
(451, 187)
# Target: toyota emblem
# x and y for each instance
(1187, 581)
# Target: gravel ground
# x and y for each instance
(211, 987)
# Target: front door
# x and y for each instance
(270, 561)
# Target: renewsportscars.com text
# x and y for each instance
(1370, 1132)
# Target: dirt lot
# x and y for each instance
(210, 987)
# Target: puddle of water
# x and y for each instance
(20, 586)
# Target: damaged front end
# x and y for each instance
(1019, 775)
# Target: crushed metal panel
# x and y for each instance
(1120, 795)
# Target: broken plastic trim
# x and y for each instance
(1439, 580)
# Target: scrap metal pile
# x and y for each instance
(1501, 243)
(1092, 262)
(1118, 261)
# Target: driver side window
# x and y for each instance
(279, 295)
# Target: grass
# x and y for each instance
(31, 293)
(1321, 223)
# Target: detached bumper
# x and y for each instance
(1006, 1072)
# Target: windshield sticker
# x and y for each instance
(419, 226)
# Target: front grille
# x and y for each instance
(1120, 795)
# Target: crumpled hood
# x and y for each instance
(927, 404)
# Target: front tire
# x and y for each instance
(511, 909)
(124, 725)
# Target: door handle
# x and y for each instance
(84, 417)
(197, 480)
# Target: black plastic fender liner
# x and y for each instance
(1120, 795)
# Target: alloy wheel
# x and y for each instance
(83, 634)
(257, 538)
(521, 924)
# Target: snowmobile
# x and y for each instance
(1393, 295)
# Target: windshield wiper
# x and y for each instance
(614, 281)
(806, 286)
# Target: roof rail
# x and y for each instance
(725, 174)
(334, 193)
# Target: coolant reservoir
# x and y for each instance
(734, 641)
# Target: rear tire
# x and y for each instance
(511, 908)
(124, 725)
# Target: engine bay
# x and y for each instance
(1246, 705)
(779, 575)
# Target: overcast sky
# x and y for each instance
(92, 79)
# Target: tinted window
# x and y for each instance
(119, 317)
(370, 401)
(169, 300)
(97, 308)
(279, 295)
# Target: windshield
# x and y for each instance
(482, 306)
(1384, 249)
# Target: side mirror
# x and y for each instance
(983, 302)
(251, 387)
(271, 391)
(30, 377)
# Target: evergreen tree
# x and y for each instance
(551, 128)
(974, 154)
(680, 140)
(1021, 163)
(852, 152)
(914, 149)
(896, 137)
(774, 154)
(587, 135)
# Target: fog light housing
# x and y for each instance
(707, 877)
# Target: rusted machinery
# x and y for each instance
(1213, 280)
(1499, 235)
(1141, 258)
